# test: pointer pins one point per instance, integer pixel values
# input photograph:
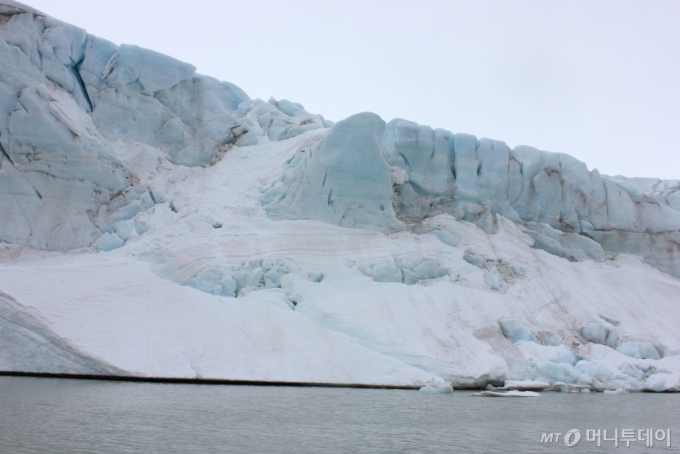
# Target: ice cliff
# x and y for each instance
(410, 172)
(156, 222)
(68, 100)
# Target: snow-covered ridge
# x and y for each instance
(160, 223)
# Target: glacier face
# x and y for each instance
(570, 211)
(161, 223)
(68, 99)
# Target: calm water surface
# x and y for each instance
(48, 415)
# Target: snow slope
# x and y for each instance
(160, 223)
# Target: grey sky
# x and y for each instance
(599, 80)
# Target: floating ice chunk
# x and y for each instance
(616, 392)
(507, 394)
(515, 331)
(525, 385)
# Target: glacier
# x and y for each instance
(159, 223)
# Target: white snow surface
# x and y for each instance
(159, 223)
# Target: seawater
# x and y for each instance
(50, 415)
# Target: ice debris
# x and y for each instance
(407, 271)
(615, 392)
(499, 273)
(600, 334)
(507, 394)
(525, 385)
(236, 280)
(437, 387)
(569, 388)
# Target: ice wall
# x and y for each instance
(70, 102)
(570, 211)
(342, 180)
(474, 179)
